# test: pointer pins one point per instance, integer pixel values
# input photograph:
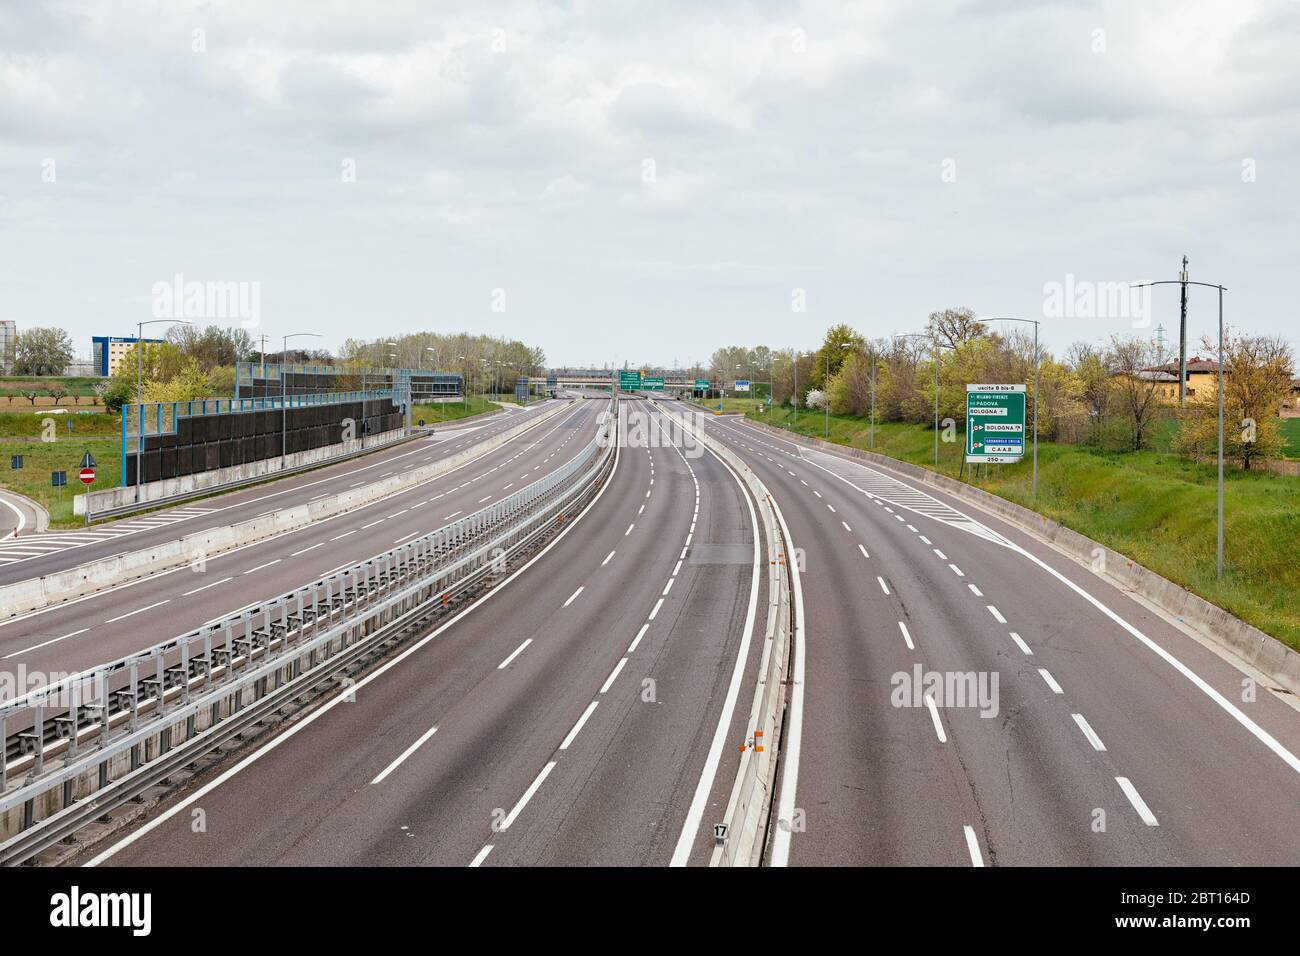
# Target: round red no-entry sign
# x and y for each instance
(87, 475)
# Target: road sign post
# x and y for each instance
(995, 424)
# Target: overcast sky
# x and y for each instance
(646, 182)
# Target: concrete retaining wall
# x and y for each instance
(112, 499)
(1262, 651)
(94, 576)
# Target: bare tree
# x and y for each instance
(952, 327)
(1136, 377)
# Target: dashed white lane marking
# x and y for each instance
(383, 774)
(1051, 681)
(912, 528)
(513, 654)
(607, 559)
(373, 523)
(528, 795)
(864, 551)
(883, 586)
(997, 615)
(578, 726)
(957, 571)
(139, 610)
(669, 586)
(926, 540)
(612, 675)
(508, 487)
(941, 555)
(343, 535)
(906, 636)
(56, 640)
(480, 856)
(485, 498)
(313, 547)
(846, 527)
(973, 846)
(639, 634)
(817, 493)
(640, 511)
(1021, 644)
(975, 591)
(574, 596)
(1139, 804)
(261, 566)
(206, 586)
(450, 516)
(1088, 732)
(405, 536)
(832, 507)
(658, 604)
(934, 716)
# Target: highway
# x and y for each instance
(32, 556)
(1117, 739)
(116, 621)
(570, 717)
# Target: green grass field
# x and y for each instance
(1156, 508)
(41, 458)
(450, 412)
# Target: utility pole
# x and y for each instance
(1182, 339)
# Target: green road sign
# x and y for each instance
(653, 382)
(702, 385)
(629, 381)
(995, 423)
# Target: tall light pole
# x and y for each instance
(1004, 318)
(284, 404)
(1184, 281)
(139, 397)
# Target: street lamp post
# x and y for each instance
(139, 398)
(1004, 318)
(284, 405)
(1209, 285)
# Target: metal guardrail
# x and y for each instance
(749, 807)
(114, 730)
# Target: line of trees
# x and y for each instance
(483, 360)
(1106, 395)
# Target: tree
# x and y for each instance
(58, 393)
(30, 394)
(841, 341)
(954, 327)
(115, 394)
(1256, 382)
(187, 384)
(211, 346)
(42, 351)
(1089, 366)
(1136, 381)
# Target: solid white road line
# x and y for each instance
(1088, 732)
(513, 654)
(578, 726)
(1139, 804)
(383, 774)
(973, 845)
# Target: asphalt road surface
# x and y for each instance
(1117, 739)
(567, 718)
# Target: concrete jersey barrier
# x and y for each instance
(58, 586)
